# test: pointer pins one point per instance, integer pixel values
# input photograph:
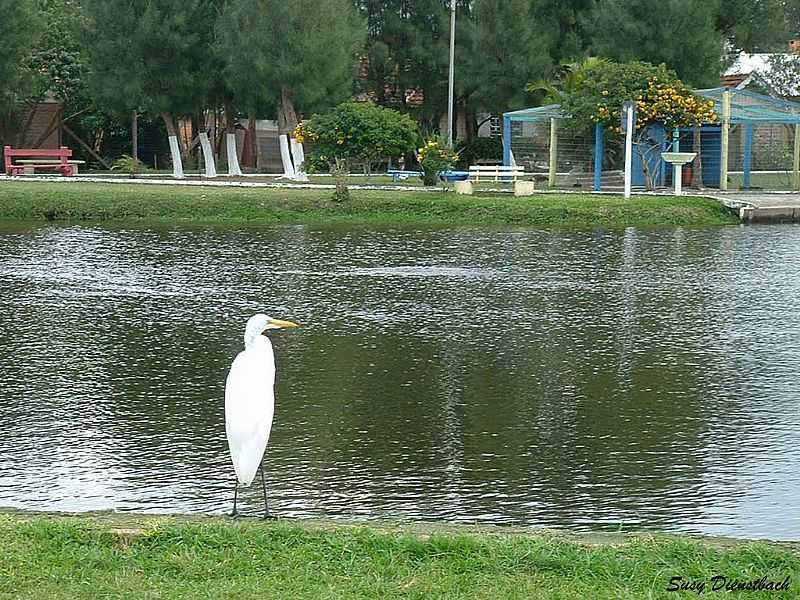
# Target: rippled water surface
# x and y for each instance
(633, 379)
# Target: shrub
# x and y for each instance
(352, 134)
(433, 157)
(130, 165)
(481, 148)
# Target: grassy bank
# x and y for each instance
(81, 201)
(49, 557)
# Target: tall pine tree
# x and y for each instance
(298, 55)
(680, 33)
(511, 47)
(150, 54)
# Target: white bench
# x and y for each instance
(30, 164)
(497, 174)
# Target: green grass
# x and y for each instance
(45, 557)
(81, 201)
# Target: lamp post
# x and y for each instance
(450, 82)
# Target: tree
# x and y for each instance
(19, 30)
(355, 133)
(298, 55)
(58, 57)
(509, 49)
(754, 25)
(680, 33)
(408, 51)
(782, 75)
(564, 26)
(661, 98)
(148, 54)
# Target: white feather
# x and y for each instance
(250, 406)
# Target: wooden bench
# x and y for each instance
(497, 174)
(62, 155)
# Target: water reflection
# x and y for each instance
(591, 379)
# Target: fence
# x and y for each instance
(762, 150)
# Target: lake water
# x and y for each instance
(585, 379)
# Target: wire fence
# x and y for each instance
(762, 150)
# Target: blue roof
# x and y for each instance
(746, 107)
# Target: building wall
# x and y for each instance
(42, 118)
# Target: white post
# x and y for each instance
(299, 161)
(286, 159)
(796, 162)
(553, 172)
(726, 129)
(234, 170)
(175, 151)
(208, 155)
(677, 174)
(628, 149)
(451, 75)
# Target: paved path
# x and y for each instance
(762, 207)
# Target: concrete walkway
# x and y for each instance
(762, 207)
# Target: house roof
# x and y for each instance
(758, 66)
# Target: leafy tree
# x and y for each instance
(564, 26)
(355, 133)
(509, 49)
(148, 54)
(782, 77)
(754, 25)
(680, 33)
(59, 57)
(660, 97)
(408, 49)
(298, 55)
(19, 31)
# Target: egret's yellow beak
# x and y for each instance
(282, 324)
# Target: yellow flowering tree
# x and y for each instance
(661, 98)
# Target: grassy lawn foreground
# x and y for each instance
(81, 201)
(46, 557)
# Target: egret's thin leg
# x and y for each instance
(264, 489)
(235, 494)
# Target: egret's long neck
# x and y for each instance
(251, 338)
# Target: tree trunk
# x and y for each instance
(234, 169)
(251, 129)
(135, 135)
(697, 167)
(287, 117)
(174, 144)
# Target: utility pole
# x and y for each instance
(451, 78)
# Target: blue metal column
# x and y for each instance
(506, 141)
(599, 152)
(748, 155)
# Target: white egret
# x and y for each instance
(250, 402)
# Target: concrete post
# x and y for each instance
(796, 166)
(553, 152)
(747, 167)
(726, 130)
